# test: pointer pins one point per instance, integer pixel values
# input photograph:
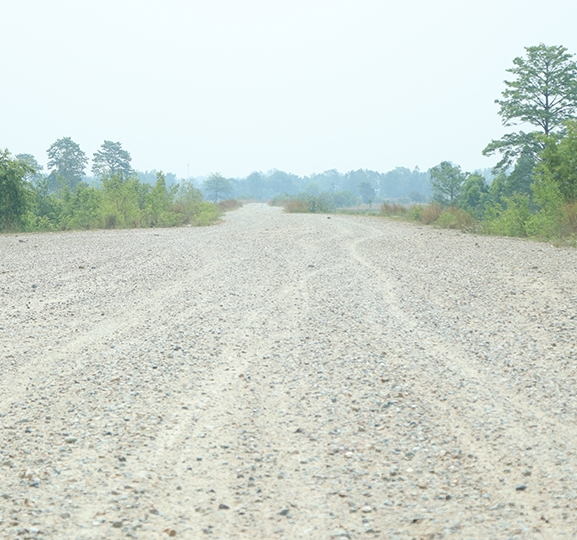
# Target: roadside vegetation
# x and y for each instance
(532, 192)
(115, 198)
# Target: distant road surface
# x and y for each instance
(287, 376)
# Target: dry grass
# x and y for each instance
(455, 218)
(430, 213)
(229, 204)
(295, 206)
(570, 210)
(393, 209)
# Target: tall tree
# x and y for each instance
(366, 191)
(34, 176)
(543, 95)
(447, 181)
(217, 186)
(14, 193)
(111, 159)
(67, 162)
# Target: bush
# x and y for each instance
(415, 212)
(296, 206)
(430, 213)
(570, 211)
(394, 209)
(205, 213)
(513, 219)
(229, 204)
(456, 218)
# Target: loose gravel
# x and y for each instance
(287, 376)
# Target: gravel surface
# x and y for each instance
(287, 376)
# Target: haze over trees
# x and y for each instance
(535, 190)
(110, 160)
(543, 94)
(66, 163)
(343, 189)
(217, 186)
(447, 181)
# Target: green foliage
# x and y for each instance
(67, 162)
(474, 195)
(322, 203)
(80, 209)
(417, 197)
(521, 178)
(543, 94)
(217, 186)
(456, 218)
(110, 160)
(122, 203)
(305, 203)
(367, 192)
(342, 199)
(559, 163)
(447, 181)
(512, 217)
(15, 194)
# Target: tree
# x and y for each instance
(34, 177)
(521, 178)
(447, 181)
(217, 186)
(543, 94)
(110, 160)
(474, 195)
(367, 192)
(67, 162)
(14, 193)
(559, 164)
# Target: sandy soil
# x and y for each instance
(287, 376)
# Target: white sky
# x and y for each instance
(237, 86)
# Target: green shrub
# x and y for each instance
(415, 212)
(456, 218)
(513, 219)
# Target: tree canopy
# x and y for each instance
(110, 160)
(67, 162)
(447, 181)
(217, 186)
(559, 164)
(543, 94)
(14, 195)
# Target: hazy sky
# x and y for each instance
(237, 86)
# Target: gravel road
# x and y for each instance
(287, 376)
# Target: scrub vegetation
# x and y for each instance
(532, 192)
(114, 198)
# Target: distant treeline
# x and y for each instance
(533, 190)
(362, 185)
